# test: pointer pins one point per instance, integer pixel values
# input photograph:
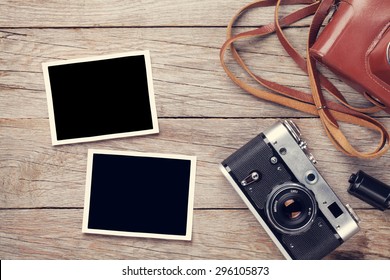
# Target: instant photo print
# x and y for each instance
(139, 194)
(100, 97)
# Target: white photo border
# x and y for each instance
(191, 194)
(148, 66)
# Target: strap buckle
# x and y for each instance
(322, 107)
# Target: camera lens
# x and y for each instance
(291, 208)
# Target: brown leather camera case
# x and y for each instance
(355, 45)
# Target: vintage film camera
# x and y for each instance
(275, 176)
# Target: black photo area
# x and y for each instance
(100, 97)
(139, 194)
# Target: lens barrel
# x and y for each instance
(291, 208)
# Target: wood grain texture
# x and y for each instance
(188, 78)
(34, 174)
(228, 234)
(201, 112)
(96, 13)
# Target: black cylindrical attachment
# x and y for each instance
(370, 190)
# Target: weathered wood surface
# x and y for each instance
(201, 113)
(186, 69)
(149, 13)
(217, 234)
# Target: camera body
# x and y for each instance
(275, 176)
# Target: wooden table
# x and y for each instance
(201, 112)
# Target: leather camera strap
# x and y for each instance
(315, 103)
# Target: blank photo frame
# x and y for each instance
(139, 194)
(101, 97)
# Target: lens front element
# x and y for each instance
(291, 208)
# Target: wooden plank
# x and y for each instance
(55, 13)
(228, 234)
(201, 113)
(35, 174)
(188, 78)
